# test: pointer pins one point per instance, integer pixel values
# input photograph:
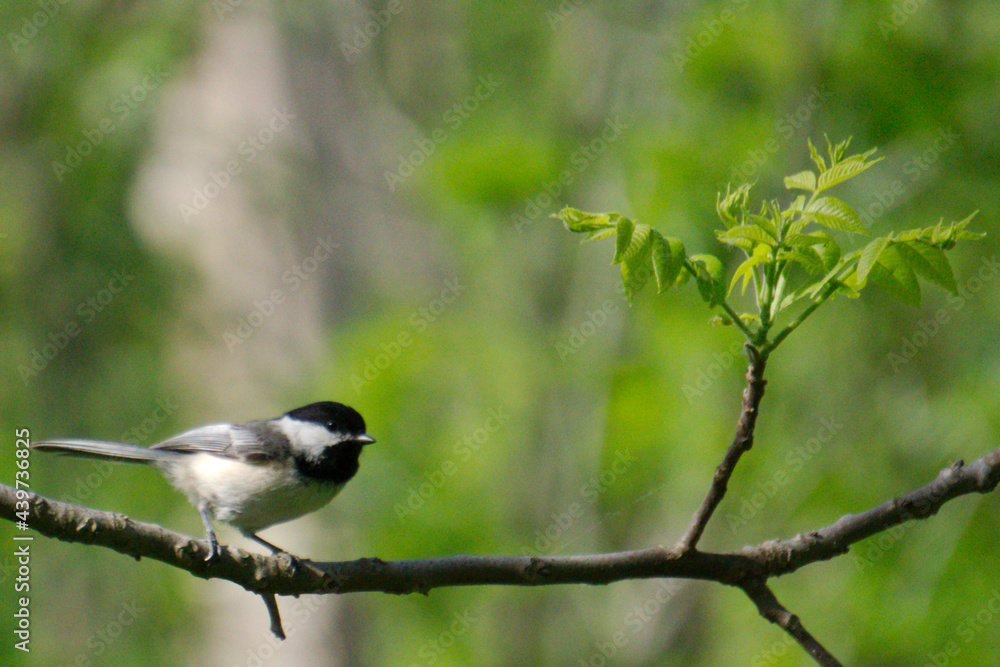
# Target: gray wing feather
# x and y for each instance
(212, 439)
(244, 442)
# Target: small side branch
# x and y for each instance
(769, 607)
(742, 442)
(274, 614)
(794, 324)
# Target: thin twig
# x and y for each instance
(737, 320)
(272, 611)
(769, 607)
(794, 324)
(742, 442)
(733, 315)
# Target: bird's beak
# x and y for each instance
(364, 439)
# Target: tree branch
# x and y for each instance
(747, 569)
(786, 556)
(259, 573)
(742, 442)
(772, 610)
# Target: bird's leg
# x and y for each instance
(213, 544)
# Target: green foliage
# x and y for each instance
(793, 259)
(636, 245)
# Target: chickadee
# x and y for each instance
(251, 475)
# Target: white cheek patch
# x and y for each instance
(313, 438)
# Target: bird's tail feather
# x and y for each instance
(100, 449)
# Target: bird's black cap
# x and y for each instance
(334, 416)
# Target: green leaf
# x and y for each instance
(711, 282)
(929, 262)
(764, 221)
(578, 221)
(836, 152)
(816, 157)
(760, 255)
(961, 234)
(955, 232)
(849, 286)
(668, 260)
(969, 236)
(835, 214)
(895, 274)
(940, 235)
(829, 253)
(683, 277)
(623, 239)
(741, 233)
(793, 231)
(724, 204)
(634, 271)
(794, 238)
(630, 240)
(809, 290)
(869, 256)
(599, 234)
(804, 180)
(795, 208)
(896, 262)
(807, 258)
(814, 289)
(849, 168)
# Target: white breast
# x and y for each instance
(250, 496)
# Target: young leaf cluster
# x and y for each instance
(643, 253)
(793, 259)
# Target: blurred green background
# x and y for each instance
(219, 211)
